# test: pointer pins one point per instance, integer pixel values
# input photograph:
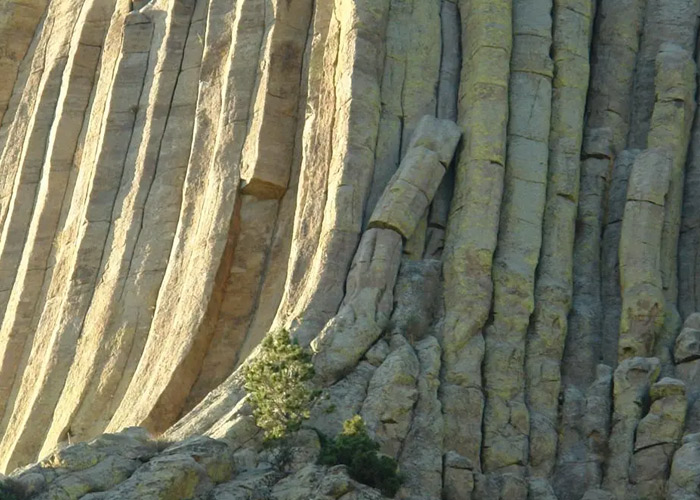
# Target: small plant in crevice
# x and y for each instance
(279, 383)
(355, 448)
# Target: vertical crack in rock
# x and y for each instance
(178, 177)
(670, 129)
(356, 122)
(391, 121)
(610, 262)
(419, 92)
(83, 410)
(31, 271)
(317, 150)
(632, 380)
(421, 455)
(207, 229)
(391, 396)
(368, 300)
(448, 88)
(273, 278)
(473, 221)
(506, 416)
(582, 342)
(268, 150)
(74, 278)
(18, 24)
(689, 238)
(640, 251)
(658, 435)
(585, 423)
(256, 217)
(687, 358)
(616, 41)
(572, 24)
(665, 21)
(684, 480)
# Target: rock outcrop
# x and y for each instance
(480, 217)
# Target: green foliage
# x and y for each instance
(9, 490)
(278, 383)
(354, 448)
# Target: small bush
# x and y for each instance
(278, 383)
(10, 490)
(355, 449)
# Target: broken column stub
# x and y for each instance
(368, 301)
(441, 136)
(413, 186)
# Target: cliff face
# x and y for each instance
(481, 216)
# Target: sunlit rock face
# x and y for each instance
(481, 217)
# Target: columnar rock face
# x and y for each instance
(480, 217)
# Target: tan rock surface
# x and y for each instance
(178, 177)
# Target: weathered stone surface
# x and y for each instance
(25, 301)
(658, 435)
(366, 308)
(610, 255)
(580, 356)
(421, 456)
(614, 57)
(97, 371)
(572, 23)
(409, 192)
(688, 300)
(687, 346)
(70, 289)
(391, 396)
(583, 445)
(688, 369)
(670, 129)
(16, 31)
(640, 253)
(664, 22)
(632, 380)
(506, 416)
(268, 151)
(356, 90)
(474, 216)
(684, 481)
(416, 297)
(177, 177)
(438, 135)
(318, 482)
(343, 400)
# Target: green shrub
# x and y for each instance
(10, 490)
(355, 449)
(278, 383)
